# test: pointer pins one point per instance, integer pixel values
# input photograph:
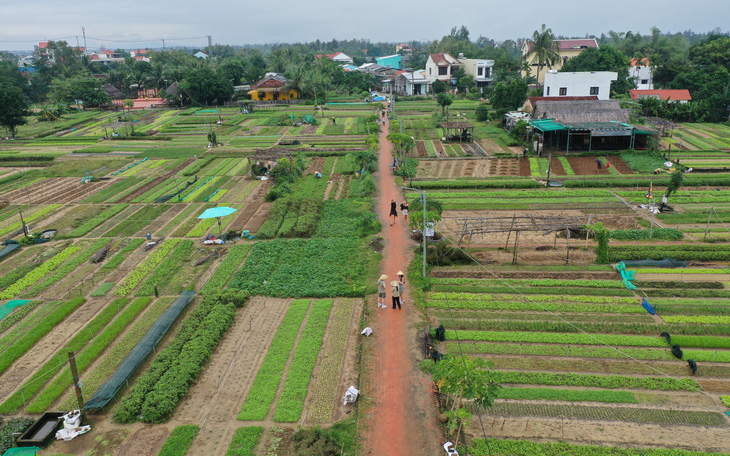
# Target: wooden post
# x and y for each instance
(517, 241)
(567, 250)
(506, 244)
(707, 228)
(77, 387)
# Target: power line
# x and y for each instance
(147, 40)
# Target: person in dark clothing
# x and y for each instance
(393, 211)
(395, 292)
(598, 163)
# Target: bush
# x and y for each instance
(238, 298)
(179, 441)
(7, 440)
(363, 187)
(482, 113)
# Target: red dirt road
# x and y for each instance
(401, 419)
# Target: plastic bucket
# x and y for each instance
(246, 233)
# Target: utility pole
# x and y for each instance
(210, 47)
(550, 159)
(423, 231)
(77, 386)
(86, 49)
(163, 44)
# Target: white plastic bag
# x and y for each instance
(367, 331)
(351, 395)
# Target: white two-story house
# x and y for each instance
(579, 84)
(441, 67)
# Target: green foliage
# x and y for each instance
(41, 271)
(674, 251)
(643, 162)
(97, 220)
(86, 89)
(103, 289)
(205, 85)
(262, 392)
(599, 381)
(602, 237)
(605, 58)
(245, 440)
(238, 298)
(13, 107)
(589, 339)
(91, 352)
(138, 220)
(509, 96)
(11, 427)
(176, 368)
(725, 400)
(167, 268)
(179, 441)
(291, 402)
(305, 267)
(482, 113)
(347, 218)
(22, 345)
(362, 187)
(499, 447)
(467, 378)
(669, 234)
(315, 442)
(117, 259)
(226, 269)
(675, 182)
(145, 267)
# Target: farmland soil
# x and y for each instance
(398, 403)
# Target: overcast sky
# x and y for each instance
(24, 23)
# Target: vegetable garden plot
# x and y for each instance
(305, 267)
(639, 415)
(498, 447)
(143, 348)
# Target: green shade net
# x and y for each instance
(139, 353)
(627, 276)
(7, 308)
(24, 451)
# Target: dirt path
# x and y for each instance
(398, 405)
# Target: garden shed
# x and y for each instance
(458, 131)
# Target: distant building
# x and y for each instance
(390, 61)
(670, 95)
(404, 48)
(409, 84)
(339, 57)
(272, 88)
(566, 49)
(642, 73)
(106, 56)
(140, 55)
(201, 55)
(579, 84)
(441, 67)
(481, 70)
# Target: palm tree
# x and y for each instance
(545, 49)
(296, 77)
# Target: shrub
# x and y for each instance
(179, 441)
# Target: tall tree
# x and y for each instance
(605, 58)
(545, 48)
(13, 107)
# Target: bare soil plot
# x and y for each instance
(469, 167)
(222, 388)
(249, 215)
(588, 166)
(54, 190)
(421, 150)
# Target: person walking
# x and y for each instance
(401, 286)
(381, 291)
(393, 211)
(404, 210)
(395, 292)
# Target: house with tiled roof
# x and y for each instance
(566, 49)
(272, 88)
(441, 67)
(642, 73)
(670, 95)
(339, 57)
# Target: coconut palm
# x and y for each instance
(545, 49)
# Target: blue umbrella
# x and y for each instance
(217, 212)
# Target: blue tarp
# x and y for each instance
(8, 249)
(7, 308)
(648, 306)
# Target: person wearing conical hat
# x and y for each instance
(395, 292)
(381, 291)
(401, 285)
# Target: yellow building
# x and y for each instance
(272, 88)
(567, 49)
